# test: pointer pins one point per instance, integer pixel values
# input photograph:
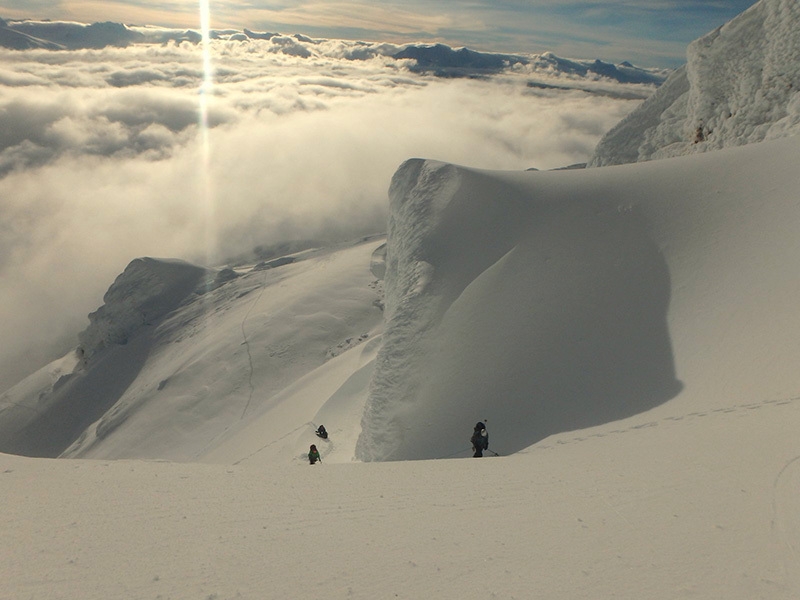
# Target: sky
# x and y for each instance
(651, 33)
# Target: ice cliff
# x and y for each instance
(740, 85)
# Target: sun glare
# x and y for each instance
(205, 92)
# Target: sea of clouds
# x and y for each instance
(103, 159)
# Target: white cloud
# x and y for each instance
(94, 173)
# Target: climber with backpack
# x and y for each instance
(479, 439)
(313, 455)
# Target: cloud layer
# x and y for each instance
(102, 159)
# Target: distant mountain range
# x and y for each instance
(444, 61)
(435, 59)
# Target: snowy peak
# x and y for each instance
(181, 360)
(146, 290)
(741, 85)
(443, 61)
(18, 40)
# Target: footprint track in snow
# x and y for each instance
(740, 408)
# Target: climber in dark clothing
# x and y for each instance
(313, 455)
(479, 440)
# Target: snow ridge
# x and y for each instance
(418, 193)
(510, 302)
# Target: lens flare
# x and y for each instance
(205, 93)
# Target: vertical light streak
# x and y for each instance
(205, 93)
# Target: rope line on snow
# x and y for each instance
(265, 446)
(453, 454)
(461, 452)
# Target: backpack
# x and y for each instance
(480, 437)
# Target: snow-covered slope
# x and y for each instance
(18, 40)
(180, 358)
(741, 84)
(702, 504)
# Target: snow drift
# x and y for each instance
(555, 301)
(740, 85)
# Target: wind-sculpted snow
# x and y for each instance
(554, 301)
(498, 297)
(104, 147)
(741, 85)
(704, 485)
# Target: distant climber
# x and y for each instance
(313, 455)
(322, 432)
(479, 439)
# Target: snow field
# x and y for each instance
(682, 507)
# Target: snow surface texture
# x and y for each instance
(692, 506)
(741, 85)
(555, 301)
